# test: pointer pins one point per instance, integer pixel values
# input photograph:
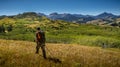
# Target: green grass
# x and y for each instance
(64, 32)
(87, 35)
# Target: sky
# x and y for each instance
(85, 7)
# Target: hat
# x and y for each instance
(38, 28)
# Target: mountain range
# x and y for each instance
(79, 18)
(103, 18)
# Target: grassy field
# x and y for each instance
(58, 31)
(69, 34)
(22, 54)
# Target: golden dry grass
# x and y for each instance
(22, 54)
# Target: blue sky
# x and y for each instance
(91, 7)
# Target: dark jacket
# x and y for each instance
(42, 39)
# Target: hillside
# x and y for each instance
(22, 54)
(23, 27)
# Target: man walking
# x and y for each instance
(40, 40)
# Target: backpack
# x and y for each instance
(40, 36)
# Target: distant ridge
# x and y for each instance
(77, 18)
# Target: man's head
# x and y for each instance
(38, 28)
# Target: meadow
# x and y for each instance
(67, 44)
(23, 27)
(22, 54)
(66, 33)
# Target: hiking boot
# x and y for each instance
(45, 57)
(37, 52)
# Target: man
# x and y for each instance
(40, 40)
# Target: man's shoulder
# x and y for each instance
(36, 32)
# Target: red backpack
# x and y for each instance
(40, 36)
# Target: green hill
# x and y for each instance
(23, 27)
